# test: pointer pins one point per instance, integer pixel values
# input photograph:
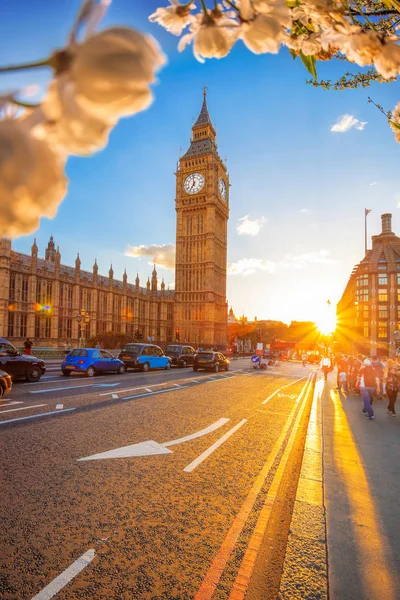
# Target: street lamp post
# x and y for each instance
(83, 319)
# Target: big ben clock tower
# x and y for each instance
(202, 211)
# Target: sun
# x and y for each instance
(326, 323)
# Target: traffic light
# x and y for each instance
(177, 336)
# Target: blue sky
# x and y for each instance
(311, 185)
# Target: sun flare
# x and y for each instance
(326, 324)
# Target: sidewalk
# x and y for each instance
(361, 466)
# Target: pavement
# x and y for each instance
(179, 485)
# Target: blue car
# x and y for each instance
(91, 361)
(143, 357)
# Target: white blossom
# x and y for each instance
(275, 9)
(262, 34)
(396, 121)
(174, 18)
(308, 44)
(32, 180)
(212, 37)
(387, 61)
(68, 125)
(112, 70)
(359, 46)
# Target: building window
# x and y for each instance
(382, 267)
(23, 326)
(382, 295)
(362, 281)
(366, 330)
(11, 322)
(362, 295)
(382, 312)
(24, 291)
(382, 329)
(12, 286)
(382, 279)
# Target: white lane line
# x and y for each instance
(23, 408)
(66, 576)
(53, 412)
(61, 378)
(176, 384)
(281, 388)
(211, 449)
(59, 406)
(195, 380)
(148, 390)
(11, 403)
(58, 389)
(198, 434)
(133, 389)
(154, 393)
(114, 396)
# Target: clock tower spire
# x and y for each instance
(202, 211)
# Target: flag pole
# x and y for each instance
(366, 213)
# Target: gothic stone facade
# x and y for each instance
(41, 298)
(368, 313)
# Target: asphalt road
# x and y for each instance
(171, 514)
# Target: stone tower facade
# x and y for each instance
(202, 212)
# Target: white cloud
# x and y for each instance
(248, 266)
(346, 122)
(161, 255)
(248, 226)
(373, 183)
(320, 257)
(305, 211)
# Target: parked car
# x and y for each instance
(208, 360)
(20, 366)
(143, 357)
(181, 356)
(5, 384)
(91, 361)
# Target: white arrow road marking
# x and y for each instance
(142, 449)
(151, 447)
(23, 408)
(193, 436)
(114, 396)
(211, 449)
(66, 576)
(59, 406)
(279, 389)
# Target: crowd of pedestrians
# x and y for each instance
(373, 378)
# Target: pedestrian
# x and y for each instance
(392, 389)
(98, 346)
(28, 346)
(379, 369)
(369, 383)
(325, 366)
(67, 347)
(342, 365)
(343, 381)
(304, 359)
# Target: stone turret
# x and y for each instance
(148, 285)
(77, 267)
(154, 281)
(162, 287)
(34, 249)
(125, 277)
(137, 283)
(50, 253)
(57, 258)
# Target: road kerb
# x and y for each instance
(307, 536)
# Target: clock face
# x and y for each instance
(222, 188)
(194, 183)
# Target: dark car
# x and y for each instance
(181, 356)
(143, 357)
(5, 384)
(209, 360)
(20, 366)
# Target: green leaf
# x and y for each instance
(394, 124)
(392, 4)
(310, 63)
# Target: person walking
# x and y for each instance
(392, 389)
(67, 347)
(304, 359)
(369, 383)
(325, 366)
(28, 346)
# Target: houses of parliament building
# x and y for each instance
(42, 299)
